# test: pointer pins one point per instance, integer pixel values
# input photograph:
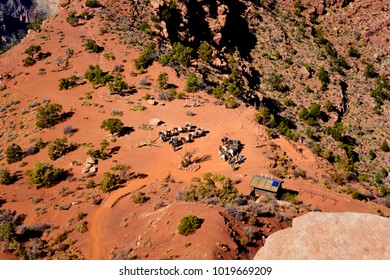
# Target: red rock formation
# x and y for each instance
(330, 236)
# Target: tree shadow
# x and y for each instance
(169, 85)
(137, 175)
(42, 55)
(126, 130)
(66, 115)
(130, 91)
(349, 140)
(114, 150)
(202, 159)
(282, 193)
(2, 201)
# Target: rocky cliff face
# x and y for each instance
(330, 236)
(222, 23)
(16, 14)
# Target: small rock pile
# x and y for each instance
(89, 167)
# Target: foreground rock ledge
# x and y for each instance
(330, 236)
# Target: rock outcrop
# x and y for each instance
(330, 236)
(321, 5)
(15, 14)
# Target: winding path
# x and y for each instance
(98, 250)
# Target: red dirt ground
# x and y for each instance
(117, 222)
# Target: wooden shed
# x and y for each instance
(261, 185)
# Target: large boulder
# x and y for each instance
(155, 121)
(330, 236)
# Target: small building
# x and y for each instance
(261, 185)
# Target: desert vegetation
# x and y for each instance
(44, 175)
(305, 91)
(189, 224)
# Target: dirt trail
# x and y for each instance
(295, 153)
(98, 250)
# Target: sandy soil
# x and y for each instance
(118, 224)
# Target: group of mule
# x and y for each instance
(230, 151)
(173, 137)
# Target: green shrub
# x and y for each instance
(146, 57)
(308, 89)
(230, 101)
(244, 241)
(290, 103)
(40, 144)
(275, 81)
(265, 117)
(381, 91)
(371, 154)
(329, 106)
(59, 147)
(140, 198)
(29, 61)
(357, 195)
(205, 52)
(138, 107)
(298, 8)
(323, 75)
(7, 231)
(92, 47)
(337, 131)
(353, 52)
(193, 83)
(102, 153)
(331, 50)
(44, 175)
(219, 91)
(162, 80)
(179, 55)
(110, 181)
(189, 224)
(145, 27)
(370, 72)
(315, 110)
(81, 226)
(48, 115)
(122, 170)
(319, 34)
(92, 3)
(91, 184)
(118, 86)
(113, 125)
(329, 155)
(385, 146)
(68, 83)
(6, 178)
(14, 153)
(182, 54)
(310, 116)
(72, 18)
(32, 49)
(35, 25)
(96, 76)
(109, 56)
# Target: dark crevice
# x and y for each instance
(197, 25)
(236, 34)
